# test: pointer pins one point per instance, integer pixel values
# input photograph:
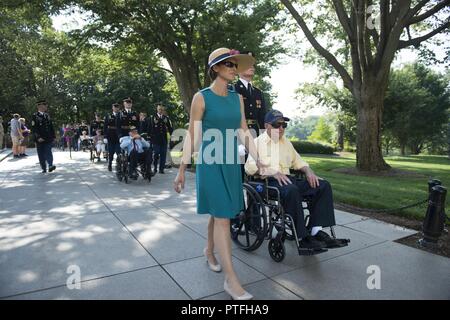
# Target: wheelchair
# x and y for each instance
(264, 218)
(86, 144)
(95, 155)
(123, 164)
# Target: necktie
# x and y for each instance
(134, 145)
(249, 88)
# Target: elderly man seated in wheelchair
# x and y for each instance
(139, 151)
(279, 154)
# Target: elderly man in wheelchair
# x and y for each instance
(139, 152)
(279, 155)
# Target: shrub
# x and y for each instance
(312, 147)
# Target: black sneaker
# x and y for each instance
(16, 156)
(51, 168)
(329, 241)
(44, 171)
(310, 242)
(24, 155)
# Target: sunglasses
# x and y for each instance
(229, 64)
(276, 125)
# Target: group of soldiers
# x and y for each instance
(156, 128)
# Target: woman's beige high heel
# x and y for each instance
(213, 267)
(245, 296)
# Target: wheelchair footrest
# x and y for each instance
(310, 252)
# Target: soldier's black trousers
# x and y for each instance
(160, 151)
(321, 209)
(44, 151)
(113, 148)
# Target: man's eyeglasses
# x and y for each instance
(230, 64)
(276, 125)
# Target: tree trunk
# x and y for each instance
(402, 149)
(187, 81)
(340, 139)
(369, 102)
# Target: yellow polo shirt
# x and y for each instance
(280, 156)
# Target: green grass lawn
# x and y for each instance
(384, 192)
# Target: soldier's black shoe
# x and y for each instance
(51, 168)
(310, 242)
(161, 171)
(109, 167)
(329, 241)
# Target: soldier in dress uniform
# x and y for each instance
(143, 123)
(112, 131)
(44, 134)
(255, 107)
(160, 126)
(128, 117)
(97, 124)
(83, 127)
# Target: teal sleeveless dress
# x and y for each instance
(218, 170)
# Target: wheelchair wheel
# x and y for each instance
(148, 172)
(125, 168)
(276, 250)
(119, 172)
(249, 228)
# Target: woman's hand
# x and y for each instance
(178, 183)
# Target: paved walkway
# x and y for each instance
(143, 241)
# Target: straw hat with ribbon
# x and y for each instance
(244, 61)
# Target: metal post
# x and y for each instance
(433, 224)
(431, 184)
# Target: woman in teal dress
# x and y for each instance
(217, 114)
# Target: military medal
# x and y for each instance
(258, 104)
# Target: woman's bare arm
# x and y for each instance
(193, 136)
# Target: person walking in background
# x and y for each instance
(97, 124)
(16, 135)
(112, 131)
(24, 142)
(2, 134)
(219, 184)
(160, 126)
(169, 161)
(44, 134)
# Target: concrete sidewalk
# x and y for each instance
(144, 241)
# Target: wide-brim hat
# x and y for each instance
(244, 61)
(128, 99)
(41, 102)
